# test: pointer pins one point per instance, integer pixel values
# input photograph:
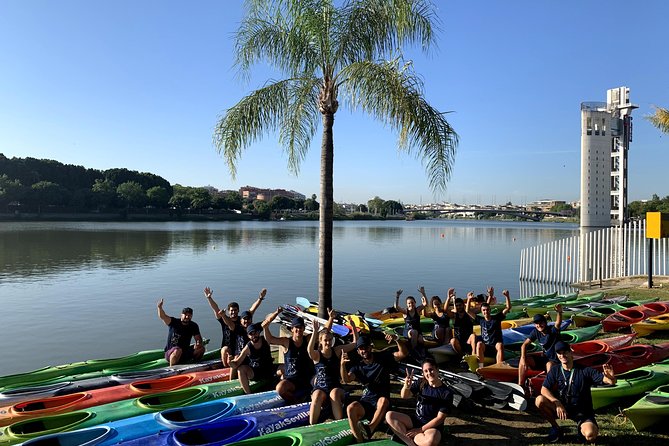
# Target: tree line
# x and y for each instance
(638, 209)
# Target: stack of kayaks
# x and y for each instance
(653, 408)
(150, 425)
(43, 425)
(623, 319)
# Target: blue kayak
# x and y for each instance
(519, 334)
(230, 430)
(127, 429)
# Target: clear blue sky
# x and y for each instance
(140, 84)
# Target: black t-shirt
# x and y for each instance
(547, 340)
(179, 335)
(376, 375)
(573, 392)
(463, 327)
(491, 331)
(430, 400)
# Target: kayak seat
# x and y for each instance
(389, 310)
(30, 407)
(658, 399)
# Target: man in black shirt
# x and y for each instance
(178, 348)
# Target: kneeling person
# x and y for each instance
(255, 361)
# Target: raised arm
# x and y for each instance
(314, 354)
(609, 376)
(402, 351)
(351, 345)
(406, 387)
(161, 313)
(469, 308)
(558, 318)
(229, 322)
(208, 293)
(423, 300)
(507, 300)
(258, 301)
(346, 376)
(491, 299)
(329, 322)
(268, 334)
(398, 293)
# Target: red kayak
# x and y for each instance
(81, 400)
(624, 318)
(602, 345)
(622, 360)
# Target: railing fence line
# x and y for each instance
(592, 256)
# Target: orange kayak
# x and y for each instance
(82, 400)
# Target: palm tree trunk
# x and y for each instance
(325, 219)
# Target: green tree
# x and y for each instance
(104, 192)
(200, 198)
(393, 207)
(233, 200)
(10, 190)
(327, 52)
(375, 205)
(131, 194)
(279, 203)
(660, 119)
(262, 209)
(181, 198)
(310, 204)
(157, 196)
(44, 193)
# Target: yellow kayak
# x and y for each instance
(651, 325)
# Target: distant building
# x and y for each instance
(256, 193)
(544, 205)
(606, 133)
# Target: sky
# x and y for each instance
(140, 84)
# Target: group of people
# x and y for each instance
(315, 367)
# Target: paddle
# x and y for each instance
(337, 329)
(462, 388)
(306, 303)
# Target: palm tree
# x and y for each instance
(327, 53)
(660, 119)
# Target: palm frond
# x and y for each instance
(249, 119)
(660, 119)
(300, 121)
(373, 29)
(393, 94)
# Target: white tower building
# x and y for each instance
(606, 133)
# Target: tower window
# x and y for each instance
(588, 126)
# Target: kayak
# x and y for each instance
(334, 433)
(16, 395)
(634, 382)
(26, 429)
(580, 334)
(231, 429)
(519, 334)
(596, 313)
(602, 345)
(143, 426)
(651, 325)
(28, 380)
(624, 318)
(83, 400)
(653, 408)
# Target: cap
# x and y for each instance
(539, 318)
(254, 328)
(297, 322)
(187, 310)
(561, 346)
(246, 314)
(363, 341)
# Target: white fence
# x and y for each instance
(592, 256)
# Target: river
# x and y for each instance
(76, 291)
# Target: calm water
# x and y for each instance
(75, 291)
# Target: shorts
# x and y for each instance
(540, 362)
(302, 387)
(581, 417)
(264, 373)
(186, 354)
(490, 350)
(369, 403)
(418, 423)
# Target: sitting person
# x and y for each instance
(255, 362)
(438, 312)
(327, 380)
(547, 336)
(230, 346)
(411, 317)
(490, 343)
(373, 372)
(463, 323)
(433, 402)
(178, 349)
(565, 394)
(298, 368)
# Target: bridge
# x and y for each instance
(520, 213)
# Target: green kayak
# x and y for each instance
(594, 315)
(580, 334)
(36, 427)
(335, 433)
(631, 383)
(653, 408)
(93, 368)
